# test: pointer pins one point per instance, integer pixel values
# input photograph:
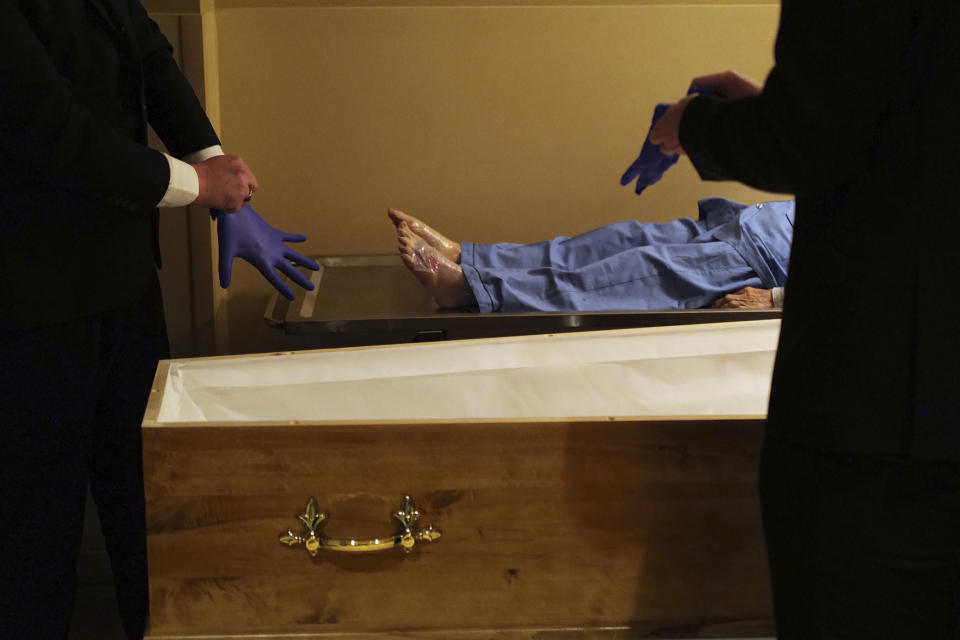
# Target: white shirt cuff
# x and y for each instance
(777, 293)
(184, 186)
(204, 154)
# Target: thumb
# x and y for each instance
(225, 269)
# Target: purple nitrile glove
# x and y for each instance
(651, 164)
(246, 235)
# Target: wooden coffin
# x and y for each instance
(597, 484)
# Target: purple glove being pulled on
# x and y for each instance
(246, 235)
(651, 164)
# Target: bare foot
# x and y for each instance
(442, 277)
(447, 247)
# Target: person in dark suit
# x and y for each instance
(81, 318)
(860, 472)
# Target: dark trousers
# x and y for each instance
(73, 399)
(861, 546)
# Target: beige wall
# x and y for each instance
(491, 120)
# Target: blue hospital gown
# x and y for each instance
(631, 265)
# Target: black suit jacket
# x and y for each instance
(79, 81)
(858, 119)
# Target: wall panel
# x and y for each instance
(492, 120)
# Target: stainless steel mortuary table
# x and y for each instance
(366, 300)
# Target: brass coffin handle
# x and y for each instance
(405, 537)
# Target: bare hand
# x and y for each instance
(226, 182)
(666, 133)
(729, 84)
(746, 298)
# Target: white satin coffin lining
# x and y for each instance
(692, 370)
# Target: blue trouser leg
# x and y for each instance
(574, 252)
(623, 266)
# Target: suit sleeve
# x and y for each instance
(839, 67)
(173, 109)
(50, 133)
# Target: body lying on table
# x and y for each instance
(732, 256)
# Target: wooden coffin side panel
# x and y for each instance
(649, 526)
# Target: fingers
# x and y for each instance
(631, 173)
(730, 301)
(666, 133)
(292, 237)
(746, 298)
(295, 276)
(731, 304)
(273, 278)
(226, 182)
(252, 188)
(295, 257)
(712, 81)
(225, 269)
(729, 84)
(301, 260)
(269, 272)
(282, 287)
